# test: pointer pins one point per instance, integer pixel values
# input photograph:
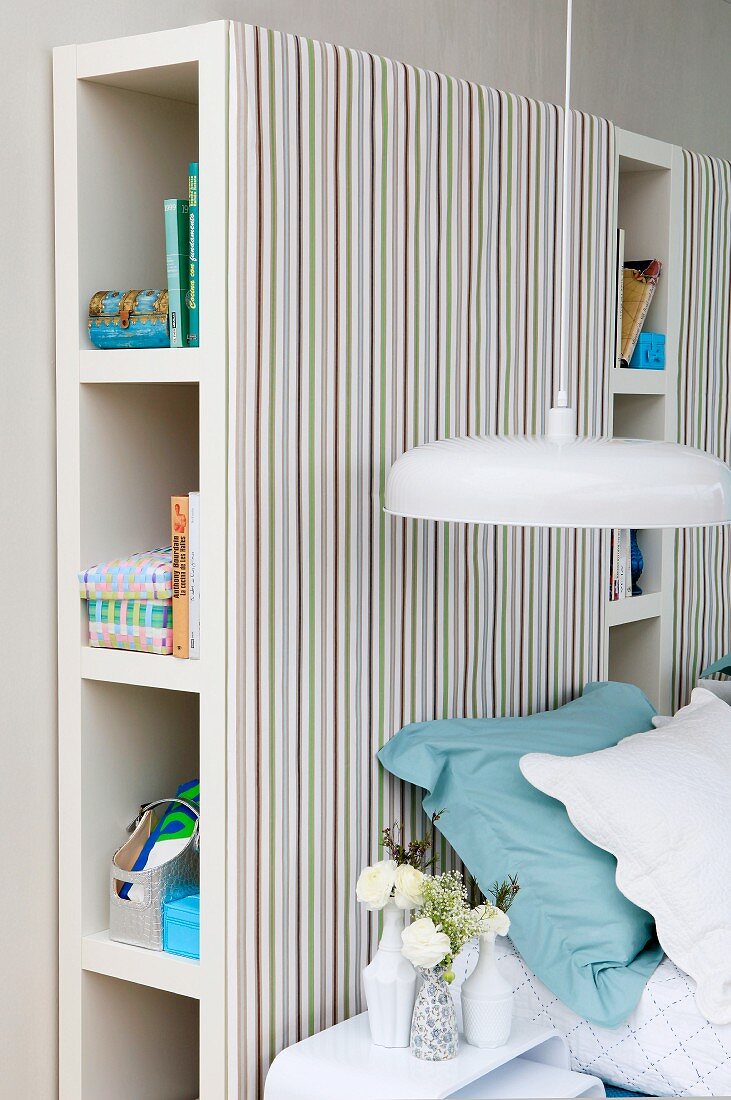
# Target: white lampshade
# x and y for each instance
(544, 481)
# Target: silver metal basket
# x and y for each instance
(140, 922)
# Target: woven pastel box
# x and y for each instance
(145, 626)
(146, 576)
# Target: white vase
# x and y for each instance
(487, 1000)
(390, 984)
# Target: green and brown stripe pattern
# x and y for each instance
(394, 252)
(702, 628)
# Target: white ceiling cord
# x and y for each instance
(562, 400)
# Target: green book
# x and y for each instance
(193, 284)
(176, 247)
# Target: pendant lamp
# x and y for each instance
(560, 479)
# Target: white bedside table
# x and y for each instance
(343, 1064)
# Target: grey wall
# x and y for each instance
(659, 67)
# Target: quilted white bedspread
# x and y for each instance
(666, 1048)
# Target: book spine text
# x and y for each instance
(180, 536)
(176, 248)
(193, 266)
(194, 609)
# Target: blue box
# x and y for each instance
(649, 354)
(181, 932)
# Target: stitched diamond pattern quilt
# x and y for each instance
(665, 1048)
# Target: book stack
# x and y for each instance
(620, 564)
(181, 246)
(185, 540)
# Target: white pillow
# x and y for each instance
(660, 802)
(721, 688)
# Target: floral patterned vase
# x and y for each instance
(434, 1034)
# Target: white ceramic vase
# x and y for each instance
(487, 1000)
(390, 984)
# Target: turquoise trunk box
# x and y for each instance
(181, 934)
(129, 319)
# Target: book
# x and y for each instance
(192, 300)
(176, 248)
(194, 610)
(619, 545)
(620, 297)
(638, 288)
(628, 562)
(180, 523)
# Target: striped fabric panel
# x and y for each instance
(392, 277)
(702, 629)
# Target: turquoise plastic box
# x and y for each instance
(649, 354)
(182, 927)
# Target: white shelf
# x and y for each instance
(128, 437)
(634, 609)
(342, 1061)
(139, 365)
(155, 969)
(524, 1077)
(632, 381)
(638, 153)
(119, 666)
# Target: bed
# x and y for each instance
(665, 1048)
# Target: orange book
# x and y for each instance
(180, 523)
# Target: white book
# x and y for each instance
(620, 297)
(620, 548)
(194, 556)
(628, 562)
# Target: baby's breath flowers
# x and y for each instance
(445, 923)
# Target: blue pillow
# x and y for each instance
(590, 945)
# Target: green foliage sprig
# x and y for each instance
(500, 894)
(414, 853)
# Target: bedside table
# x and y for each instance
(343, 1062)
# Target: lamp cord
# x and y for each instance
(563, 382)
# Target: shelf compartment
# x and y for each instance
(634, 608)
(157, 1033)
(155, 969)
(159, 137)
(138, 744)
(139, 447)
(638, 416)
(151, 670)
(139, 365)
(628, 380)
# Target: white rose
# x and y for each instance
(375, 884)
(491, 919)
(409, 887)
(423, 945)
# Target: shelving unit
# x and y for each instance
(642, 405)
(129, 116)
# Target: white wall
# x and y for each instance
(659, 67)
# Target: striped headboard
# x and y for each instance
(702, 629)
(394, 249)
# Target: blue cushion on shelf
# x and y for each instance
(590, 945)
